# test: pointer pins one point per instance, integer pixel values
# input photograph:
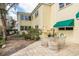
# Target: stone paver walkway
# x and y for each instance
(36, 49)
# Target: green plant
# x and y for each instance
(2, 41)
(34, 33)
(27, 36)
(23, 35)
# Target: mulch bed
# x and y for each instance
(14, 45)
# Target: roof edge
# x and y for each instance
(40, 4)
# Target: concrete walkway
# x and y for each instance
(36, 49)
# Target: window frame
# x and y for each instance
(62, 28)
(66, 28)
(69, 28)
(26, 27)
(22, 28)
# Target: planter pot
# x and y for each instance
(61, 44)
(56, 45)
(53, 45)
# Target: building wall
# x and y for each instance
(43, 19)
(49, 15)
(46, 16)
(54, 11)
(39, 19)
(23, 22)
(65, 13)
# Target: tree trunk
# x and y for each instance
(3, 18)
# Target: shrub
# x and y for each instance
(38, 38)
(33, 34)
(23, 35)
(27, 36)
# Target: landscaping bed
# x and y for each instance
(14, 45)
(18, 41)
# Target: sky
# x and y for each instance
(26, 7)
(22, 7)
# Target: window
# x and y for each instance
(26, 27)
(61, 5)
(26, 17)
(69, 28)
(21, 27)
(36, 14)
(21, 17)
(61, 28)
(30, 18)
(68, 4)
(36, 26)
(66, 28)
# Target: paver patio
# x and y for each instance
(36, 49)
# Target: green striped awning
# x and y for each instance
(77, 15)
(66, 23)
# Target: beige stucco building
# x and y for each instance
(50, 14)
(65, 13)
(46, 17)
(23, 20)
(41, 16)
